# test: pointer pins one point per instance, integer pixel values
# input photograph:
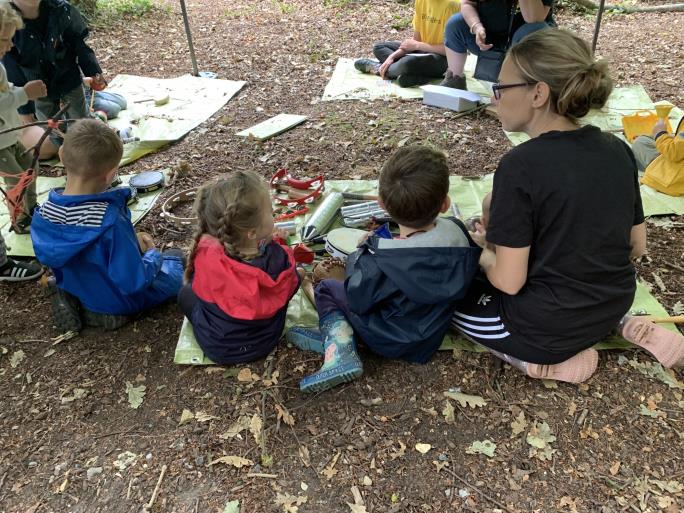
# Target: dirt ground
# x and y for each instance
(390, 441)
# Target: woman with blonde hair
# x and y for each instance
(566, 219)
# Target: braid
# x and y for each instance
(225, 232)
(199, 207)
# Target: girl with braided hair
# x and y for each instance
(240, 275)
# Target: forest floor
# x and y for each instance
(70, 440)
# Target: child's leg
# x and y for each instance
(384, 49)
(78, 109)
(645, 151)
(427, 65)
(341, 362)
(477, 317)
(667, 346)
(110, 103)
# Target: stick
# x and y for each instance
(266, 476)
(491, 499)
(156, 489)
(675, 319)
(92, 99)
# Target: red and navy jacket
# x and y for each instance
(240, 312)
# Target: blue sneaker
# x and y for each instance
(341, 363)
(306, 339)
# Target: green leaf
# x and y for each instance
(486, 447)
(540, 438)
(519, 424)
(135, 394)
(232, 507)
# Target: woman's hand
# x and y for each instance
(481, 38)
(385, 66)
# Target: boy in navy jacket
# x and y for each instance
(52, 47)
(84, 233)
(399, 294)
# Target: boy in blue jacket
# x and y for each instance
(399, 294)
(84, 233)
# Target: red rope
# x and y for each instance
(14, 197)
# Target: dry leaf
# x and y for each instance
(186, 417)
(285, 415)
(569, 502)
(330, 470)
(518, 425)
(290, 503)
(423, 448)
(304, 455)
(242, 423)
(201, 416)
(245, 375)
(398, 453)
(255, 426)
(572, 408)
(449, 412)
(16, 358)
(357, 508)
(473, 401)
(614, 468)
(235, 461)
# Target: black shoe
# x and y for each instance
(65, 309)
(407, 80)
(454, 81)
(109, 322)
(367, 66)
(20, 271)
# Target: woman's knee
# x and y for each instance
(456, 33)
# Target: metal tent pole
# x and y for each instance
(597, 27)
(189, 34)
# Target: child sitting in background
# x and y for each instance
(52, 47)
(14, 160)
(662, 159)
(85, 235)
(240, 280)
(109, 103)
(419, 59)
(399, 293)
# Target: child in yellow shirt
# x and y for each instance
(418, 59)
(662, 158)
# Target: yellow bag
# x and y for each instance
(641, 123)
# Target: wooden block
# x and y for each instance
(273, 126)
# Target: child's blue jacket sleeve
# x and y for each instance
(129, 271)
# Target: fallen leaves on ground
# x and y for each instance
(486, 447)
(540, 438)
(474, 401)
(135, 394)
(235, 461)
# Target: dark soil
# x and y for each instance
(64, 412)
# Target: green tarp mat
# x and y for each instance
(300, 312)
(346, 83)
(20, 245)
(467, 194)
(192, 100)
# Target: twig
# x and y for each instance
(148, 507)
(674, 266)
(34, 123)
(488, 497)
(2, 480)
(128, 491)
(261, 474)
(471, 111)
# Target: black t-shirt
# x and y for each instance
(495, 16)
(573, 197)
